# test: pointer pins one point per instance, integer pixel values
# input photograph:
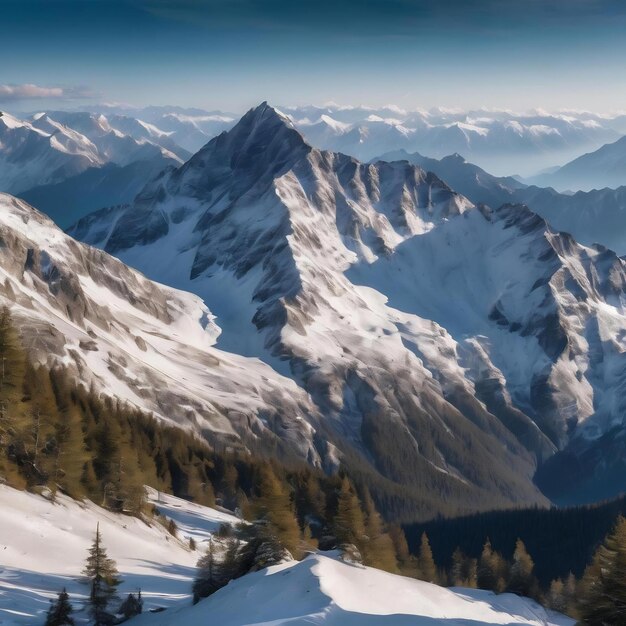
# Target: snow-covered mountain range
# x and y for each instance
(69, 163)
(502, 142)
(190, 128)
(597, 216)
(30, 155)
(73, 163)
(419, 326)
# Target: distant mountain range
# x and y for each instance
(86, 161)
(605, 167)
(71, 163)
(500, 141)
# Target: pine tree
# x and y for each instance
(348, 522)
(426, 562)
(491, 573)
(12, 363)
(101, 573)
(570, 592)
(274, 506)
(522, 581)
(60, 611)
(231, 564)
(457, 577)
(310, 500)
(132, 605)
(400, 544)
(471, 573)
(555, 598)
(378, 549)
(210, 576)
(229, 486)
(308, 543)
(603, 600)
(71, 455)
(43, 414)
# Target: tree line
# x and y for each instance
(563, 539)
(597, 597)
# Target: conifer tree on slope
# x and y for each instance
(379, 550)
(132, 605)
(603, 597)
(217, 567)
(348, 523)
(102, 575)
(522, 580)
(426, 562)
(463, 570)
(492, 569)
(274, 506)
(60, 611)
(209, 577)
(39, 436)
(71, 454)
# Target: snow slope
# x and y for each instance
(43, 546)
(324, 590)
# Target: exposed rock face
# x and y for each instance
(136, 340)
(445, 346)
(595, 216)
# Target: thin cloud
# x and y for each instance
(14, 93)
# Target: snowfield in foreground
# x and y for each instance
(325, 590)
(43, 546)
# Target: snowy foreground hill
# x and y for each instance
(49, 541)
(43, 546)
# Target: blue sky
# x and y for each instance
(232, 54)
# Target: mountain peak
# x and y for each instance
(7, 120)
(264, 125)
(264, 113)
(264, 141)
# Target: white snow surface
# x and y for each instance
(324, 590)
(43, 545)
